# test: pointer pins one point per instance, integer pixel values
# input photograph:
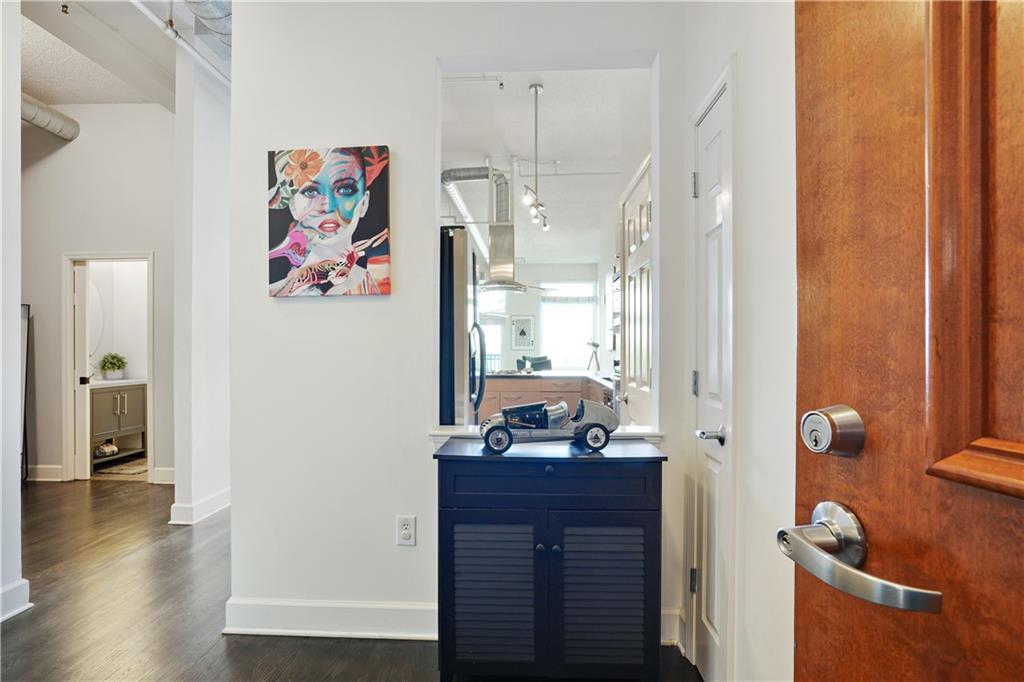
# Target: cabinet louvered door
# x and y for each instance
(605, 593)
(494, 579)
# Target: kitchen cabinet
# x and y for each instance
(549, 560)
(502, 392)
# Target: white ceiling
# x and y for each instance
(107, 52)
(56, 73)
(588, 121)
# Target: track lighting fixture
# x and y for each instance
(531, 195)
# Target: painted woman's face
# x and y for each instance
(330, 205)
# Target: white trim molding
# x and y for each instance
(670, 626)
(189, 514)
(321, 618)
(45, 472)
(162, 475)
(14, 599)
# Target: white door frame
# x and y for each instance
(67, 349)
(724, 86)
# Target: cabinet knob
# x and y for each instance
(549, 469)
(556, 549)
(539, 548)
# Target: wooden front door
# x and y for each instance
(910, 240)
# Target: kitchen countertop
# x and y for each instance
(632, 450)
(607, 382)
(111, 383)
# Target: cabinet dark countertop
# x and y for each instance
(618, 450)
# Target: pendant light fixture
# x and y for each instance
(531, 195)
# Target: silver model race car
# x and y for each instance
(591, 425)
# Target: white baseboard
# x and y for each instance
(188, 514)
(316, 618)
(163, 475)
(681, 623)
(45, 472)
(371, 620)
(14, 598)
(670, 626)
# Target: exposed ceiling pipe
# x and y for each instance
(173, 34)
(49, 119)
(215, 15)
(502, 198)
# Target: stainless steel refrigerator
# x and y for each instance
(462, 348)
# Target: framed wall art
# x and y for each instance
(328, 222)
(522, 332)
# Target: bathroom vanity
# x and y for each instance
(549, 560)
(118, 415)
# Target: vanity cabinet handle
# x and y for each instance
(549, 469)
(556, 549)
(539, 548)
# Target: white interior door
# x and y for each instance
(637, 301)
(713, 553)
(83, 456)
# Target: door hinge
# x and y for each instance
(695, 382)
(693, 178)
(693, 580)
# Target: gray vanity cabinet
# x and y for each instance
(118, 411)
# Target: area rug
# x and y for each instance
(125, 468)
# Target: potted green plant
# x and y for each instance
(112, 365)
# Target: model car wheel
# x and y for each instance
(595, 437)
(498, 439)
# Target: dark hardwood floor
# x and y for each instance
(120, 595)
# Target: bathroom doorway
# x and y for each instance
(107, 342)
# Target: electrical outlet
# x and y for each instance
(405, 530)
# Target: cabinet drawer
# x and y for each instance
(562, 484)
(510, 398)
(560, 385)
(570, 399)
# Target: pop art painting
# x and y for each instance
(329, 227)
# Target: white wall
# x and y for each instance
(118, 314)
(14, 590)
(320, 465)
(764, 219)
(201, 259)
(318, 475)
(109, 191)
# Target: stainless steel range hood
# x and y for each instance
(502, 275)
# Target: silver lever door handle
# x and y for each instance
(832, 549)
(718, 435)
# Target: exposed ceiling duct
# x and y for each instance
(168, 30)
(502, 211)
(215, 15)
(49, 119)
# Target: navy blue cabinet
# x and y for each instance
(549, 560)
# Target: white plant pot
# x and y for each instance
(113, 374)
